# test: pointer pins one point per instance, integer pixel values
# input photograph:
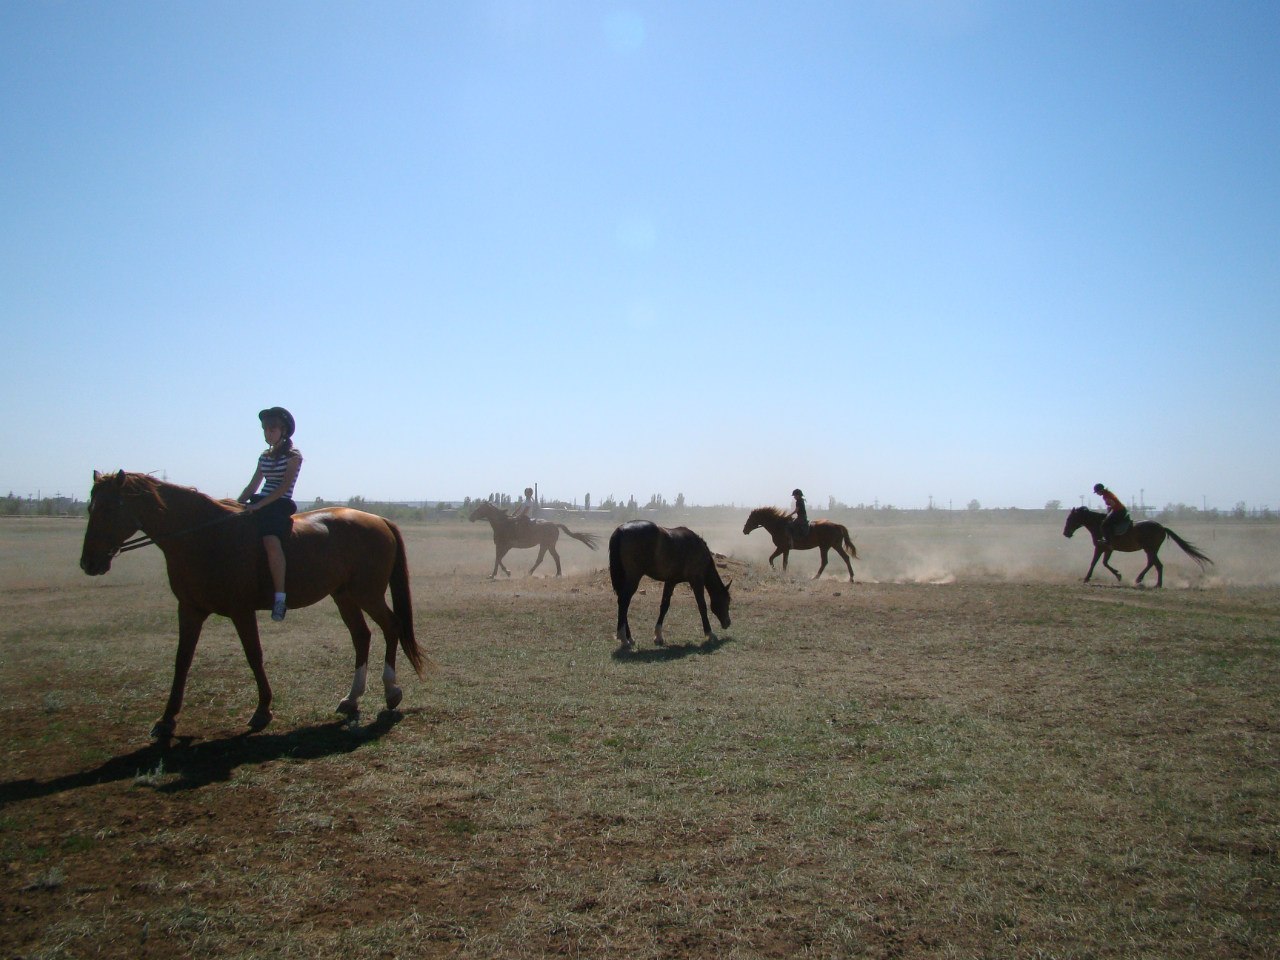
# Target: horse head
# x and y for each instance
(1075, 520)
(484, 511)
(110, 523)
(759, 517)
(720, 604)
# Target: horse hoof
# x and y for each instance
(260, 719)
(394, 696)
(163, 730)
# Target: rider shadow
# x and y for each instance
(667, 653)
(189, 765)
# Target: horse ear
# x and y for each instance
(728, 584)
(97, 476)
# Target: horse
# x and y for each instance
(509, 532)
(1145, 535)
(640, 548)
(216, 565)
(823, 534)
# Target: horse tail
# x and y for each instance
(1190, 549)
(402, 603)
(853, 551)
(590, 539)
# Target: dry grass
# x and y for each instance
(1002, 764)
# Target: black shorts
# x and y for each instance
(276, 518)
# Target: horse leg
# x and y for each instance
(390, 627)
(1116, 573)
(497, 562)
(556, 557)
(190, 622)
(823, 565)
(1153, 561)
(845, 557)
(349, 706)
(785, 554)
(699, 594)
(542, 552)
(247, 627)
(1097, 552)
(668, 589)
(624, 601)
(775, 553)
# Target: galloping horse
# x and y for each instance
(1144, 535)
(640, 548)
(823, 534)
(509, 532)
(216, 564)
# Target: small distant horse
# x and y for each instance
(509, 532)
(640, 548)
(823, 534)
(216, 564)
(1144, 535)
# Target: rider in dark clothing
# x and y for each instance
(800, 525)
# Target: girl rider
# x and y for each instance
(1116, 522)
(272, 508)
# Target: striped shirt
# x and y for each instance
(273, 470)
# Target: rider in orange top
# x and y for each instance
(1116, 522)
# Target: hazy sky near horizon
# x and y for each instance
(884, 251)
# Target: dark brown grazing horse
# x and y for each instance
(509, 532)
(216, 564)
(640, 548)
(1144, 535)
(823, 534)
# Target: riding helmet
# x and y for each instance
(1098, 488)
(280, 415)
(797, 492)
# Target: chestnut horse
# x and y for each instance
(640, 548)
(823, 534)
(1144, 535)
(216, 564)
(509, 532)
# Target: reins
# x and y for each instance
(138, 543)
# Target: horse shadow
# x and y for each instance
(189, 765)
(670, 652)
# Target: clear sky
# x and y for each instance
(884, 251)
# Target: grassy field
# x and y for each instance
(966, 753)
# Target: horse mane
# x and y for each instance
(774, 512)
(149, 488)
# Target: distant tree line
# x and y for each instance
(658, 507)
(15, 506)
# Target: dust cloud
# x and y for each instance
(957, 547)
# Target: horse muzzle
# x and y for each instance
(95, 566)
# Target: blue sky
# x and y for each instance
(885, 251)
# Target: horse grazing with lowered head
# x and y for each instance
(823, 534)
(1145, 535)
(509, 532)
(216, 564)
(640, 548)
